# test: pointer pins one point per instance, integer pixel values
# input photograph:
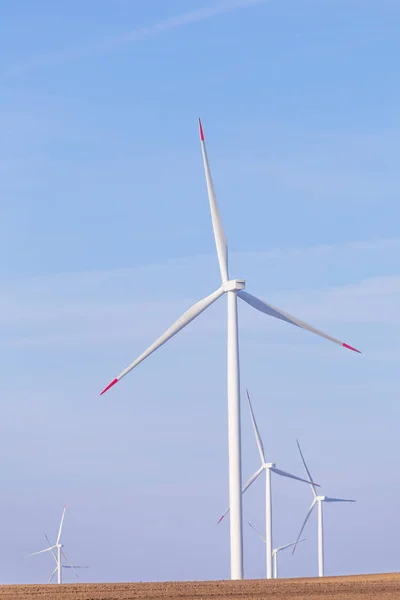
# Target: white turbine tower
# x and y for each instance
(58, 552)
(233, 288)
(275, 551)
(268, 468)
(317, 500)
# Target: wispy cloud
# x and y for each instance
(135, 305)
(112, 43)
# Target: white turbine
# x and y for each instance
(233, 288)
(268, 468)
(317, 500)
(58, 552)
(275, 551)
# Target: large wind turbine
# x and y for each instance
(58, 552)
(268, 468)
(233, 288)
(275, 551)
(318, 500)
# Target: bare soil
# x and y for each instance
(359, 587)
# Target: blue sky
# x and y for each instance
(106, 239)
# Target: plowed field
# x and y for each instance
(360, 587)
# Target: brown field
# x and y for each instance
(358, 587)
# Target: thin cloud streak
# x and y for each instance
(113, 43)
(119, 320)
(50, 319)
(133, 305)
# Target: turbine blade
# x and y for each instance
(272, 311)
(61, 525)
(70, 566)
(67, 559)
(311, 482)
(256, 431)
(246, 487)
(288, 545)
(219, 234)
(304, 524)
(252, 479)
(258, 533)
(285, 474)
(41, 551)
(52, 575)
(328, 499)
(223, 516)
(52, 548)
(184, 320)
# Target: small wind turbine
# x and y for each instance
(318, 500)
(268, 468)
(275, 551)
(58, 552)
(234, 288)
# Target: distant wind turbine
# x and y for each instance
(268, 468)
(318, 500)
(58, 552)
(275, 551)
(234, 288)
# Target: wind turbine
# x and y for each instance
(268, 468)
(58, 552)
(275, 551)
(318, 500)
(233, 288)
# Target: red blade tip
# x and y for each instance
(201, 131)
(220, 519)
(351, 348)
(109, 386)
